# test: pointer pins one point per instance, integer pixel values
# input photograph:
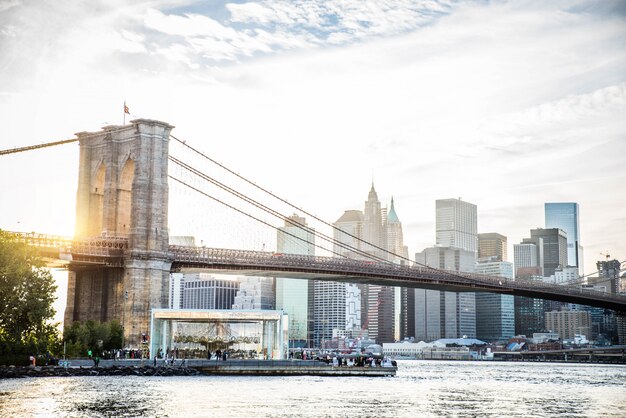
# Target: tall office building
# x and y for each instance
(456, 224)
(177, 287)
(495, 314)
(569, 323)
(255, 293)
(528, 258)
(375, 232)
(554, 248)
(292, 295)
(493, 246)
(565, 216)
(203, 291)
(404, 300)
(378, 302)
(336, 307)
(449, 314)
(608, 275)
(440, 314)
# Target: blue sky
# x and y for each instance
(505, 104)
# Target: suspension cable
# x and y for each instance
(276, 213)
(184, 143)
(247, 214)
(64, 141)
(33, 147)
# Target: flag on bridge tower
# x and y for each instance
(126, 111)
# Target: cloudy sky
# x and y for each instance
(505, 104)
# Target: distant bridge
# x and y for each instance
(113, 252)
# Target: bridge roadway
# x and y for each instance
(112, 252)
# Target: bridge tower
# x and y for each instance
(123, 192)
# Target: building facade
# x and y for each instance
(375, 234)
(569, 323)
(565, 216)
(292, 295)
(495, 314)
(255, 293)
(203, 291)
(440, 314)
(554, 248)
(528, 258)
(493, 246)
(456, 224)
(397, 252)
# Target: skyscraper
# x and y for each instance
(203, 291)
(565, 216)
(404, 311)
(528, 258)
(336, 307)
(380, 301)
(493, 246)
(554, 248)
(440, 314)
(295, 237)
(495, 314)
(456, 224)
(456, 249)
(375, 232)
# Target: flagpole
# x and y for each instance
(124, 110)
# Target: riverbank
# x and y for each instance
(51, 371)
(195, 368)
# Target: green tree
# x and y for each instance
(26, 297)
(91, 335)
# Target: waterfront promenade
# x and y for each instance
(236, 367)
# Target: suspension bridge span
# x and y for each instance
(112, 252)
(120, 259)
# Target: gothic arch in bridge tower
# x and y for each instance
(124, 198)
(122, 193)
(96, 201)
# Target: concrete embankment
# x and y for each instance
(197, 367)
(290, 368)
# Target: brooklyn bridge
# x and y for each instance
(120, 258)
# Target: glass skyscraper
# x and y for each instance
(292, 295)
(565, 216)
(495, 314)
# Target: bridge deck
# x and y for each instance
(112, 252)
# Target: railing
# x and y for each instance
(304, 263)
(86, 247)
(103, 249)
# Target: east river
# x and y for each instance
(421, 388)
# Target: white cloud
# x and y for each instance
(473, 101)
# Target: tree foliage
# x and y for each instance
(92, 335)
(27, 292)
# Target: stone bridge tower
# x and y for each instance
(123, 192)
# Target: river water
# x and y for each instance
(421, 388)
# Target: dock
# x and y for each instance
(188, 367)
(286, 368)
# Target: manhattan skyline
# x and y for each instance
(508, 105)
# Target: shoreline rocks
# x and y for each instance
(13, 372)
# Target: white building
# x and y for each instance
(563, 276)
(255, 293)
(456, 224)
(528, 258)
